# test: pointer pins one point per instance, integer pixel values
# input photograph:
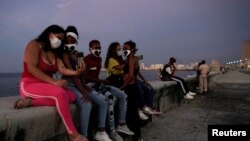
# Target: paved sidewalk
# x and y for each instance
(189, 121)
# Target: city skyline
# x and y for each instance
(189, 30)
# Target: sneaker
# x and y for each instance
(191, 93)
(115, 136)
(140, 139)
(124, 129)
(142, 115)
(148, 110)
(156, 112)
(102, 136)
(187, 96)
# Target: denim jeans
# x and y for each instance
(85, 109)
(100, 101)
(146, 94)
(122, 101)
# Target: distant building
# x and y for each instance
(142, 66)
(215, 66)
(246, 50)
(246, 54)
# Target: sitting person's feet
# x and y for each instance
(191, 93)
(140, 139)
(142, 115)
(23, 103)
(77, 137)
(187, 96)
(115, 136)
(148, 110)
(102, 136)
(156, 112)
(124, 129)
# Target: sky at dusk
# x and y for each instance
(190, 30)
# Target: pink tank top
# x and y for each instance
(43, 66)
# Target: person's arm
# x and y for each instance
(115, 65)
(130, 75)
(75, 79)
(65, 71)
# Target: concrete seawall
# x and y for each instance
(44, 124)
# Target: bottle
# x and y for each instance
(79, 58)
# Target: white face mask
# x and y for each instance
(119, 53)
(95, 52)
(69, 47)
(126, 53)
(55, 42)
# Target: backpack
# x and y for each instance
(164, 76)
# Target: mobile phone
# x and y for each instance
(79, 58)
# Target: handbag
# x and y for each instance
(115, 80)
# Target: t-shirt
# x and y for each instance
(93, 66)
(111, 69)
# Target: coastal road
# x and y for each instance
(189, 121)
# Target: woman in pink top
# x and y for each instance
(38, 87)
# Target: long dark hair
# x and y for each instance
(132, 45)
(44, 38)
(112, 54)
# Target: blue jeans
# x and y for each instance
(122, 100)
(85, 109)
(100, 101)
(146, 94)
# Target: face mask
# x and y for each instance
(55, 42)
(69, 47)
(119, 53)
(126, 53)
(95, 52)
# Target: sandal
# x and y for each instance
(22, 103)
(78, 138)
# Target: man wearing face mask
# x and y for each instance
(169, 72)
(93, 66)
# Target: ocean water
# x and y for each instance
(9, 82)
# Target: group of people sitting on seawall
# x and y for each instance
(54, 51)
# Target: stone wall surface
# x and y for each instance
(44, 124)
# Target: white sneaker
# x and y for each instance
(115, 136)
(148, 110)
(142, 115)
(191, 93)
(102, 136)
(124, 129)
(187, 96)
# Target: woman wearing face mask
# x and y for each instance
(81, 90)
(131, 70)
(114, 64)
(38, 87)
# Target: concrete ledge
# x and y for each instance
(29, 124)
(44, 124)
